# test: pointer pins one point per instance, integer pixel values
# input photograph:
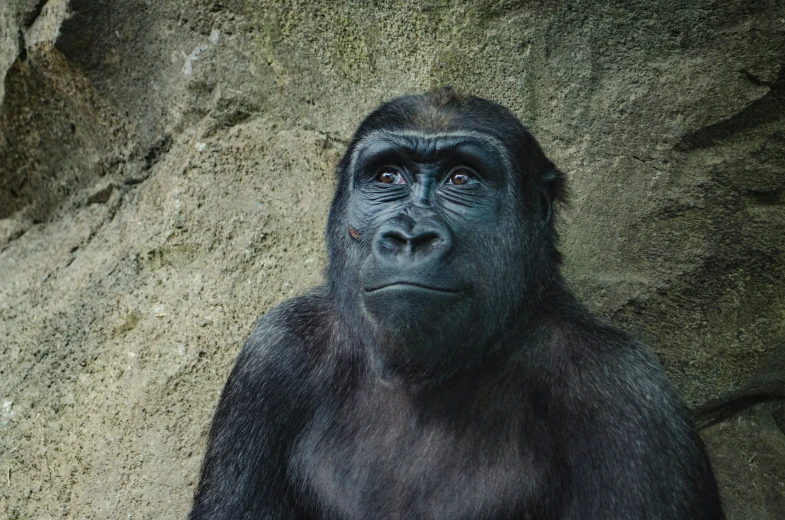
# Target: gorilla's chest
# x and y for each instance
(381, 457)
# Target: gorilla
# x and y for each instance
(445, 371)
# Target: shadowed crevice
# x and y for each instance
(763, 111)
(721, 410)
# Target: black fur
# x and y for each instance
(445, 371)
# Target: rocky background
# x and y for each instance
(166, 167)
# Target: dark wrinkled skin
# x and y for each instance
(445, 371)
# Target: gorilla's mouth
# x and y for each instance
(409, 286)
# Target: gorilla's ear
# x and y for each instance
(553, 189)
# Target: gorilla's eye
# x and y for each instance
(390, 176)
(460, 176)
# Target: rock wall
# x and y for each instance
(165, 171)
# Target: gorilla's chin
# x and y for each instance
(420, 329)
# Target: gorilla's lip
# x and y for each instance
(415, 285)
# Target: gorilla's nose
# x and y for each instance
(404, 241)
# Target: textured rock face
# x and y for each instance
(165, 171)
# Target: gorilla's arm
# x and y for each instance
(244, 470)
(635, 454)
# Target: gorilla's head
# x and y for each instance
(440, 235)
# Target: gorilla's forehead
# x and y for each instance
(431, 146)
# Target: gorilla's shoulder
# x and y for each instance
(300, 316)
(607, 361)
(291, 337)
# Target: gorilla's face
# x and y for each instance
(440, 235)
(435, 242)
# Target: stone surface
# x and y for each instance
(166, 167)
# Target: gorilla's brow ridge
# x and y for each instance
(487, 139)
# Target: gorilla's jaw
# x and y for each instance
(423, 330)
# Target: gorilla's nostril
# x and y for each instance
(394, 241)
(429, 239)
